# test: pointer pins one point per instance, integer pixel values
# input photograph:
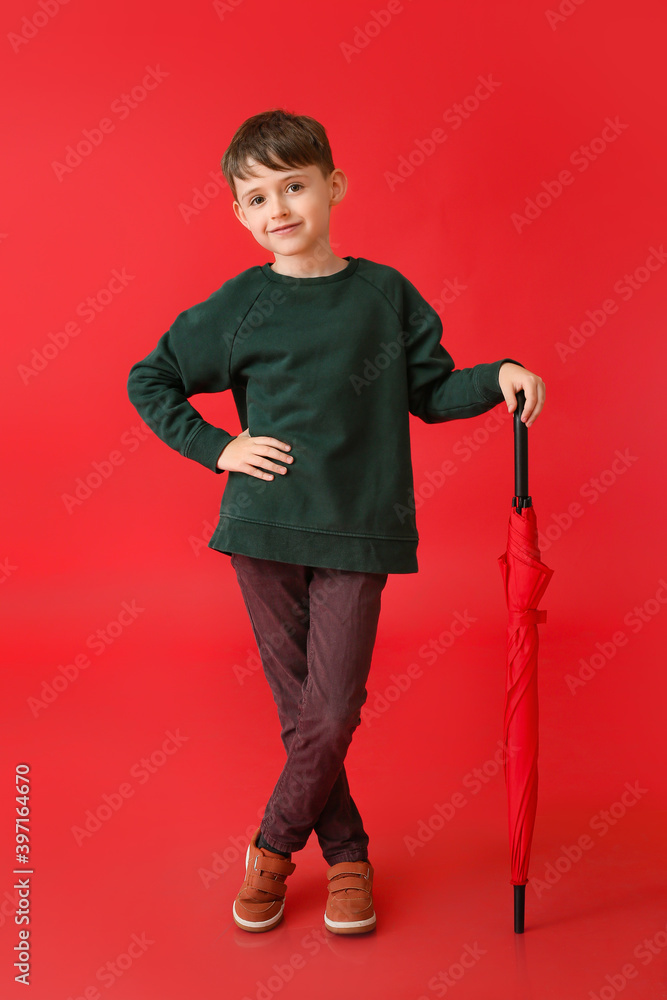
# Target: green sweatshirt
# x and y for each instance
(331, 365)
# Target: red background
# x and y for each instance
(140, 536)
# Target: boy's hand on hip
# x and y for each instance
(253, 454)
(513, 377)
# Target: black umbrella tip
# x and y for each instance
(519, 908)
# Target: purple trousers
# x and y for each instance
(315, 630)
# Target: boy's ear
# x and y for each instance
(338, 181)
(240, 215)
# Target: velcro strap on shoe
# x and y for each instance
(272, 885)
(279, 866)
(349, 882)
(349, 868)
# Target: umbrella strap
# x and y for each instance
(532, 616)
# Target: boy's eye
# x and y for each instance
(293, 184)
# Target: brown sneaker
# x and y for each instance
(349, 907)
(260, 902)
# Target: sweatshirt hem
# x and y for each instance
(330, 550)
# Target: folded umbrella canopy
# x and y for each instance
(525, 578)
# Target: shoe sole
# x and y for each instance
(350, 926)
(256, 926)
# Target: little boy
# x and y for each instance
(325, 357)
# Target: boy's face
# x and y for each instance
(299, 197)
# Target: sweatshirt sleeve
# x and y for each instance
(437, 390)
(193, 356)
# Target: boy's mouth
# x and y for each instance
(285, 229)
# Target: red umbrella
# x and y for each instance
(525, 578)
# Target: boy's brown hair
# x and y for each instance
(273, 135)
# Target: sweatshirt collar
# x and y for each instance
(289, 279)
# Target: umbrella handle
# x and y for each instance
(521, 497)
